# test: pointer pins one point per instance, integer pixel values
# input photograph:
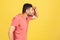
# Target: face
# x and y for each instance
(30, 11)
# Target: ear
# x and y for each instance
(27, 11)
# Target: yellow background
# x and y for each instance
(45, 27)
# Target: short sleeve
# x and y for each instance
(14, 22)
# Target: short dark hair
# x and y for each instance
(26, 6)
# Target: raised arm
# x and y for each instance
(35, 13)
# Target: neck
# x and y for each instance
(25, 15)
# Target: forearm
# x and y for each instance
(35, 13)
(10, 35)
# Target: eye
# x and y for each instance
(32, 9)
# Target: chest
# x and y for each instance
(22, 24)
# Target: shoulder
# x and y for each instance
(17, 16)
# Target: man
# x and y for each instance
(19, 25)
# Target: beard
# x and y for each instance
(29, 15)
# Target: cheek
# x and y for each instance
(32, 11)
(29, 12)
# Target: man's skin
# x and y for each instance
(28, 12)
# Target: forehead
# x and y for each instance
(31, 8)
